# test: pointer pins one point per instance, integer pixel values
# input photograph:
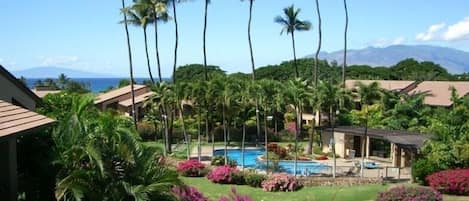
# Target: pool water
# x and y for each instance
(251, 161)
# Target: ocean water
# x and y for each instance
(96, 84)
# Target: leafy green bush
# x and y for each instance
(254, 179)
(238, 178)
(422, 168)
(220, 161)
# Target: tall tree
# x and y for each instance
(131, 72)
(368, 95)
(159, 14)
(316, 58)
(291, 23)
(345, 43)
(140, 15)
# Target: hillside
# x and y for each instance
(456, 61)
(53, 72)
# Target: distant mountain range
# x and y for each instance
(455, 61)
(54, 72)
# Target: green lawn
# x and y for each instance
(358, 193)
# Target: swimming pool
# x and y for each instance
(251, 161)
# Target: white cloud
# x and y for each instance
(458, 31)
(59, 60)
(433, 32)
(384, 42)
(398, 40)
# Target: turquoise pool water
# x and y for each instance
(250, 161)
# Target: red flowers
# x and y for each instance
(191, 168)
(450, 181)
(281, 182)
(222, 174)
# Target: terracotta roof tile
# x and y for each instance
(138, 99)
(393, 85)
(116, 93)
(439, 93)
(14, 119)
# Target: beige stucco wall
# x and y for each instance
(339, 143)
(8, 91)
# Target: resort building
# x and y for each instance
(439, 92)
(121, 99)
(17, 118)
(392, 146)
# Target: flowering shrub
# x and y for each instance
(236, 197)
(450, 181)
(281, 182)
(409, 193)
(191, 168)
(188, 193)
(222, 174)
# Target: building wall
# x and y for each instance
(10, 90)
(339, 143)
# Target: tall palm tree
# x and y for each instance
(159, 14)
(316, 58)
(129, 50)
(345, 43)
(290, 23)
(298, 95)
(199, 89)
(332, 96)
(140, 15)
(182, 94)
(368, 95)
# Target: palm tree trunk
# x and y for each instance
(129, 49)
(225, 154)
(183, 124)
(242, 145)
(158, 64)
(295, 165)
(364, 141)
(258, 122)
(146, 54)
(266, 145)
(251, 2)
(311, 137)
(297, 74)
(204, 41)
(199, 137)
(316, 60)
(345, 44)
(176, 34)
(333, 143)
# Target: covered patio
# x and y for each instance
(15, 121)
(393, 146)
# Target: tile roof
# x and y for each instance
(401, 137)
(42, 93)
(116, 93)
(14, 119)
(393, 85)
(138, 99)
(439, 93)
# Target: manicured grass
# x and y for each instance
(356, 193)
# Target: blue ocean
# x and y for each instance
(96, 85)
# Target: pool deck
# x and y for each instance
(343, 165)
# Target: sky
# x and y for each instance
(85, 34)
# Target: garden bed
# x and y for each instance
(339, 181)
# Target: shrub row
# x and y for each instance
(409, 193)
(450, 181)
(191, 168)
(190, 193)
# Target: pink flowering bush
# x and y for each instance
(191, 168)
(222, 174)
(409, 193)
(281, 182)
(236, 197)
(188, 193)
(450, 181)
